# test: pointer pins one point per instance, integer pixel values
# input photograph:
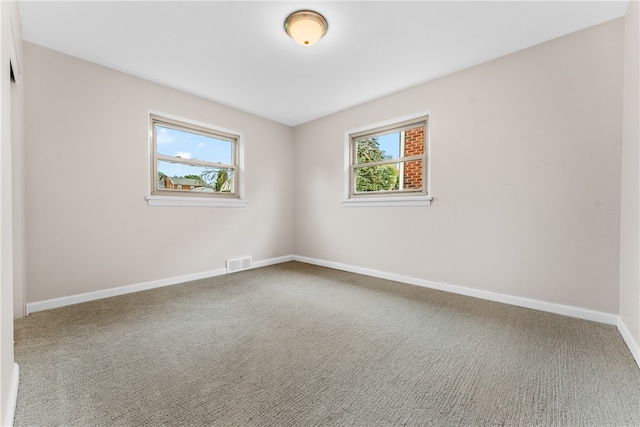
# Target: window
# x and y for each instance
(193, 165)
(388, 164)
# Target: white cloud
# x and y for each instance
(183, 155)
(202, 144)
(163, 136)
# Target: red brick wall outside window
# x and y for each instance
(413, 146)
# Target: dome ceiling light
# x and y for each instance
(305, 27)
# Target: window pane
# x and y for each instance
(377, 178)
(369, 150)
(409, 142)
(414, 141)
(390, 144)
(177, 176)
(187, 145)
(401, 176)
(411, 175)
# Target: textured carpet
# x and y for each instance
(299, 345)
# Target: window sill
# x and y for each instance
(195, 202)
(388, 201)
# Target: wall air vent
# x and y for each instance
(238, 264)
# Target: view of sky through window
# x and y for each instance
(186, 145)
(390, 144)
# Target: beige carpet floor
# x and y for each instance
(299, 345)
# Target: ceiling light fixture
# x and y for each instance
(305, 27)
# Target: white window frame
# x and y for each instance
(389, 198)
(159, 197)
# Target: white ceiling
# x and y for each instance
(237, 53)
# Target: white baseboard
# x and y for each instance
(566, 310)
(7, 419)
(271, 261)
(628, 339)
(33, 307)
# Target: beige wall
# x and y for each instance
(10, 51)
(525, 173)
(88, 125)
(630, 215)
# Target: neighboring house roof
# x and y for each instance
(185, 181)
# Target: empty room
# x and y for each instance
(340, 213)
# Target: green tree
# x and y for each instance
(375, 178)
(217, 179)
(222, 178)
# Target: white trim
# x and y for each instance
(13, 55)
(33, 307)
(628, 339)
(271, 261)
(195, 201)
(185, 201)
(418, 200)
(565, 310)
(388, 201)
(13, 396)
